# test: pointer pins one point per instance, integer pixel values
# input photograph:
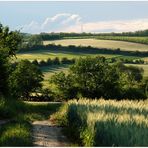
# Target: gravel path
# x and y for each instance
(46, 134)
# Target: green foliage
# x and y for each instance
(19, 131)
(65, 85)
(9, 43)
(26, 78)
(9, 40)
(31, 40)
(16, 134)
(95, 77)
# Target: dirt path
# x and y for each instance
(46, 134)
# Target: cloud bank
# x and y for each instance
(66, 22)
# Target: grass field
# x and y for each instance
(101, 44)
(44, 55)
(105, 122)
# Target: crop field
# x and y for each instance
(107, 122)
(129, 46)
(142, 40)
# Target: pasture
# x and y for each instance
(105, 122)
(100, 44)
(45, 54)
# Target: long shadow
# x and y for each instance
(53, 68)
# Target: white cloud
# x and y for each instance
(66, 22)
(111, 26)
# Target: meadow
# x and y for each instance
(128, 46)
(105, 122)
(44, 55)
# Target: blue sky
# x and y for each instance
(36, 17)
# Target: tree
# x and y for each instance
(56, 61)
(26, 78)
(9, 43)
(95, 77)
(65, 85)
(35, 62)
(88, 77)
(34, 40)
(130, 81)
(9, 40)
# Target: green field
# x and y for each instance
(44, 55)
(135, 39)
(101, 44)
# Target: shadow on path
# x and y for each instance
(46, 134)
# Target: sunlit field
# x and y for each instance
(106, 122)
(100, 44)
(44, 55)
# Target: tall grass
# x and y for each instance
(107, 123)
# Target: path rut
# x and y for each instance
(47, 134)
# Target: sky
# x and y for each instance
(74, 16)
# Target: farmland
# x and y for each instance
(142, 40)
(106, 123)
(101, 44)
(44, 55)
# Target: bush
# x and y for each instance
(56, 61)
(26, 78)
